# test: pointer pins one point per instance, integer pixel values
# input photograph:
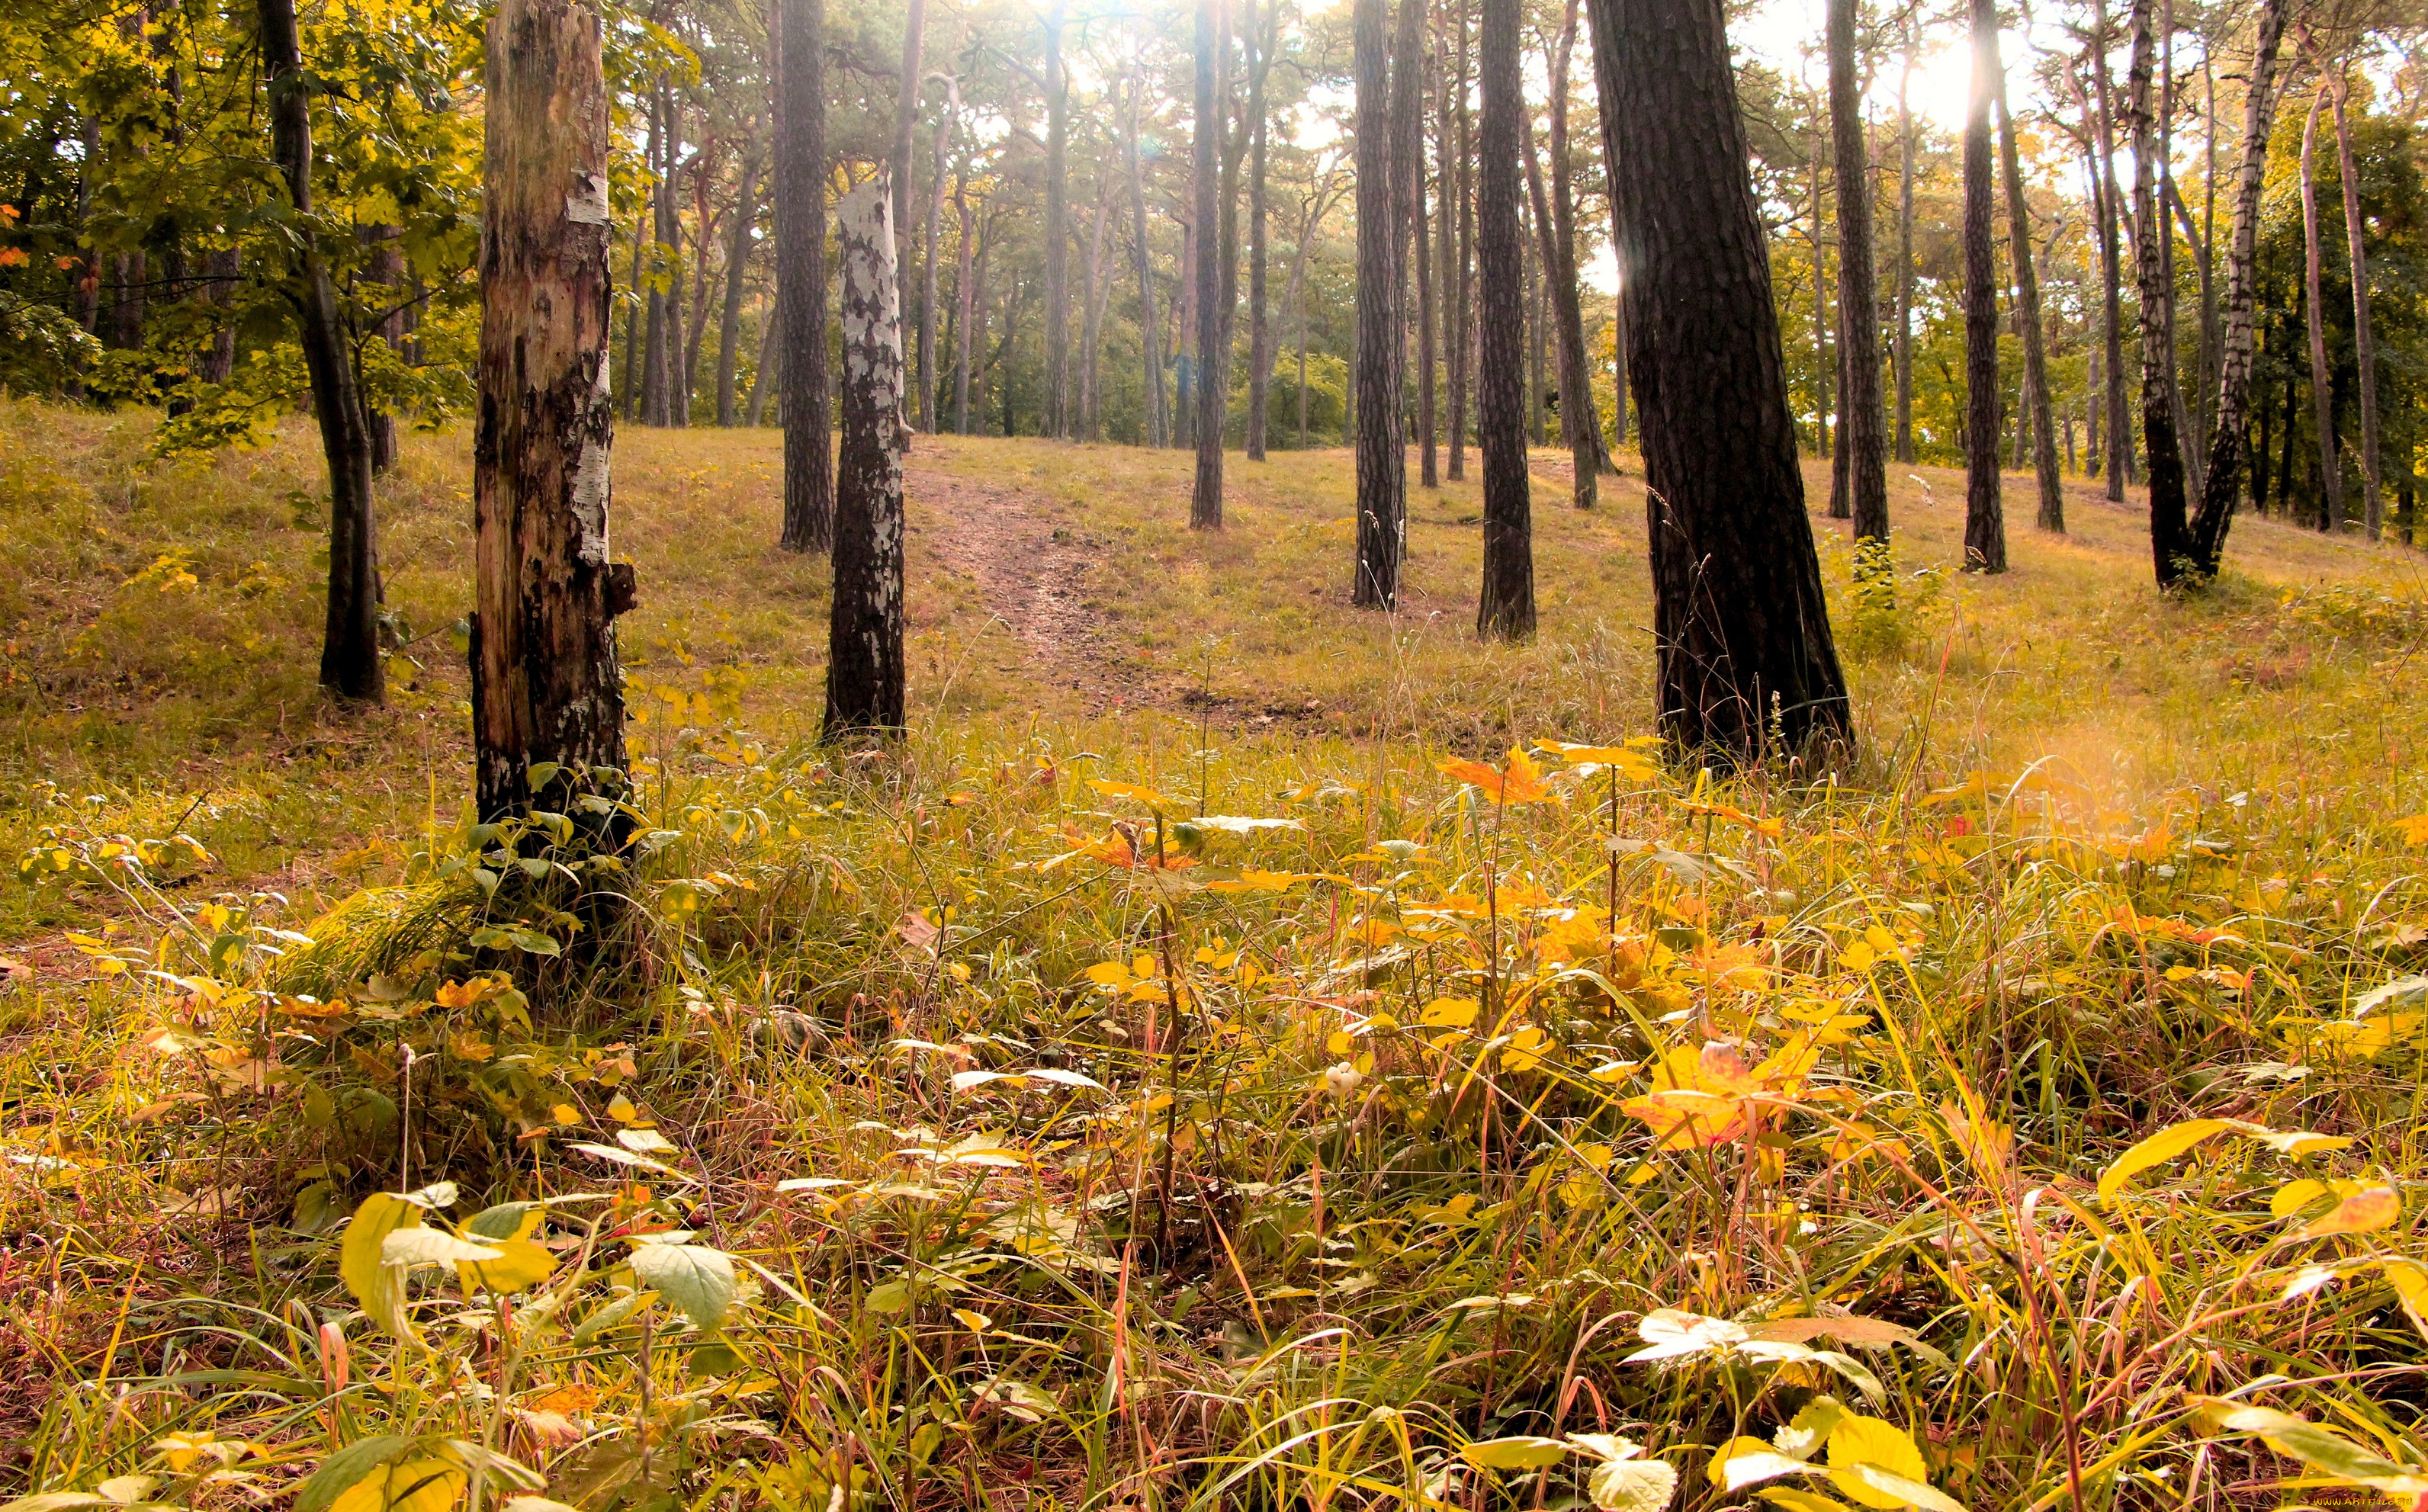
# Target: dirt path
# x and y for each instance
(1034, 578)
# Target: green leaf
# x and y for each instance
(378, 1286)
(695, 1278)
(1520, 1453)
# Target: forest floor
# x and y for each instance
(915, 1127)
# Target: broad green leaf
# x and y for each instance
(2158, 1150)
(1633, 1485)
(2404, 992)
(377, 1285)
(1520, 1453)
(695, 1278)
(607, 1315)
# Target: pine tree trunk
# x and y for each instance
(638, 305)
(1445, 222)
(1580, 413)
(1824, 369)
(968, 291)
(765, 383)
(864, 641)
(929, 262)
(1206, 495)
(1091, 310)
(1462, 335)
(2112, 211)
(1740, 631)
(801, 268)
(1859, 434)
(737, 264)
(2331, 478)
(1903, 357)
(1381, 449)
(545, 683)
(221, 269)
(696, 331)
(2223, 484)
(1579, 435)
(2040, 422)
(906, 122)
(2364, 343)
(350, 653)
(1260, 330)
(1428, 422)
(1505, 608)
(1150, 330)
(1058, 231)
(2170, 529)
(1985, 525)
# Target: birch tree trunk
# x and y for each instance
(1985, 525)
(1505, 608)
(349, 654)
(864, 636)
(2364, 344)
(548, 703)
(2228, 441)
(2331, 476)
(801, 271)
(1859, 331)
(1381, 449)
(2170, 529)
(2042, 424)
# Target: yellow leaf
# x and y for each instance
(2293, 1197)
(1128, 789)
(1858, 956)
(2156, 1150)
(2410, 1284)
(621, 1110)
(1112, 974)
(376, 1285)
(1449, 1014)
(1738, 1448)
(413, 1486)
(2364, 1211)
(1861, 1441)
(2414, 830)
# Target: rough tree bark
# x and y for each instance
(1903, 357)
(2162, 454)
(801, 270)
(2331, 476)
(1206, 494)
(1445, 221)
(2364, 343)
(637, 306)
(1985, 525)
(2112, 213)
(1091, 310)
(1462, 282)
(1407, 202)
(548, 703)
(1260, 326)
(350, 653)
(1505, 607)
(1858, 330)
(1580, 413)
(1741, 630)
(864, 636)
(1382, 447)
(2227, 443)
(1150, 330)
(737, 264)
(2027, 305)
(1562, 291)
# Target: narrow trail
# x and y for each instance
(1034, 577)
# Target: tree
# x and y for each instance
(1743, 654)
(548, 702)
(1859, 334)
(2331, 476)
(2109, 197)
(1505, 607)
(1459, 280)
(801, 271)
(2229, 445)
(865, 638)
(1149, 329)
(1556, 220)
(930, 261)
(1206, 496)
(906, 121)
(1382, 446)
(1260, 331)
(1985, 526)
(1904, 350)
(350, 653)
(2162, 446)
(2028, 306)
(737, 266)
(1058, 239)
(2364, 342)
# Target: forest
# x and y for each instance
(1431, 755)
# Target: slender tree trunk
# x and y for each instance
(1538, 406)
(1408, 217)
(2211, 348)
(1057, 233)
(385, 275)
(1985, 525)
(1505, 608)
(906, 122)
(864, 641)
(971, 299)
(801, 267)
(1462, 339)
(638, 306)
(1091, 314)
(927, 265)
(2331, 478)
(2226, 437)
(1580, 413)
(1859, 435)
(765, 383)
(2170, 530)
(1823, 365)
(737, 264)
(350, 653)
(1428, 352)
(546, 691)
(2112, 211)
(2028, 306)
(1381, 449)
(1150, 330)
(1260, 329)
(697, 332)
(1446, 82)
(1206, 496)
(1740, 631)
(222, 268)
(1579, 433)
(2364, 343)
(1903, 357)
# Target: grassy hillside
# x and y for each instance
(1027, 1138)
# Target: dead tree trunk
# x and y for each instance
(801, 271)
(1206, 494)
(2041, 422)
(737, 263)
(350, 653)
(547, 703)
(2227, 443)
(2331, 476)
(2364, 342)
(1858, 332)
(1985, 524)
(1382, 447)
(864, 639)
(1505, 608)
(1740, 631)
